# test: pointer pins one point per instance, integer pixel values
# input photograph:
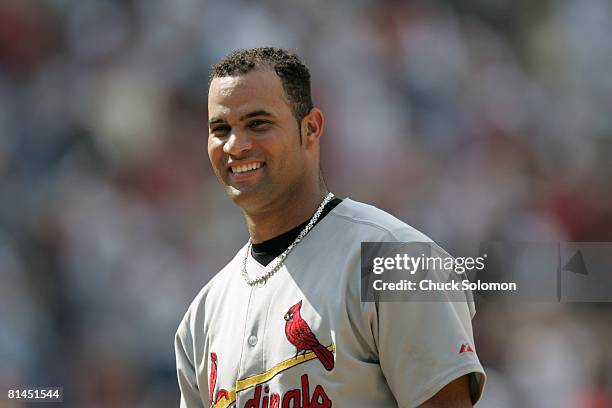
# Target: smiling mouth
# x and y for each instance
(245, 168)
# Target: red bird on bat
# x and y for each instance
(299, 334)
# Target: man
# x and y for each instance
(282, 324)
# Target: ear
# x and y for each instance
(300, 304)
(312, 128)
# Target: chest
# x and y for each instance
(302, 339)
(272, 339)
(257, 328)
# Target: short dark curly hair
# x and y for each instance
(293, 73)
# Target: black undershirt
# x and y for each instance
(266, 251)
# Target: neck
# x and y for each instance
(283, 215)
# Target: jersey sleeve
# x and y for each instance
(423, 346)
(186, 374)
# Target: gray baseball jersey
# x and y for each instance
(305, 339)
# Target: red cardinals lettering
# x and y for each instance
(299, 334)
(212, 382)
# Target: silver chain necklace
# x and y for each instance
(281, 258)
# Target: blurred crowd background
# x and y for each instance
(472, 120)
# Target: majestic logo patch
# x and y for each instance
(299, 334)
(465, 348)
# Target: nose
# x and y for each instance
(237, 143)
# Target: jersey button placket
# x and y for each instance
(252, 341)
(251, 359)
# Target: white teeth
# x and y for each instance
(245, 167)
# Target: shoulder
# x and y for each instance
(375, 222)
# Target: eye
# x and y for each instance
(219, 130)
(259, 125)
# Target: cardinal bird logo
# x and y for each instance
(299, 334)
(212, 382)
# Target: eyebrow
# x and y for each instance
(213, 121)
(256, 113)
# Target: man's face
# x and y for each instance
(253, 141)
